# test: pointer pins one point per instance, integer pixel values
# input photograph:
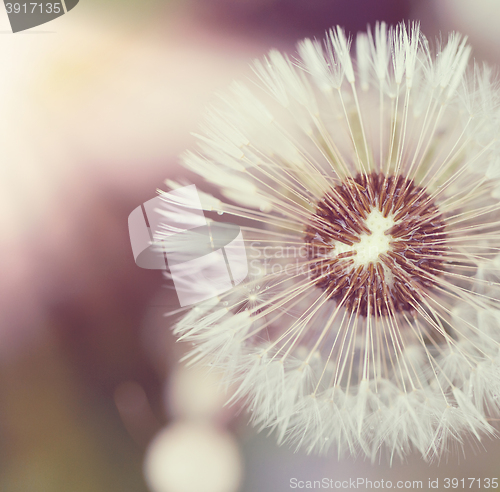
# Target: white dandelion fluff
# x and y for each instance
(368, 175)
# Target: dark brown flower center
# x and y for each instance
(376, 244)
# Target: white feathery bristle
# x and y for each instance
(363, 59)
(341, 46)
(380, 50)
(315, 63)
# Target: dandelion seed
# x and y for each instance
(369, 178)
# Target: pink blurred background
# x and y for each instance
(96, 106)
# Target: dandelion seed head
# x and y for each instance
(367, 173)
(377, 241)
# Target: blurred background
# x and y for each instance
(95, 108)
